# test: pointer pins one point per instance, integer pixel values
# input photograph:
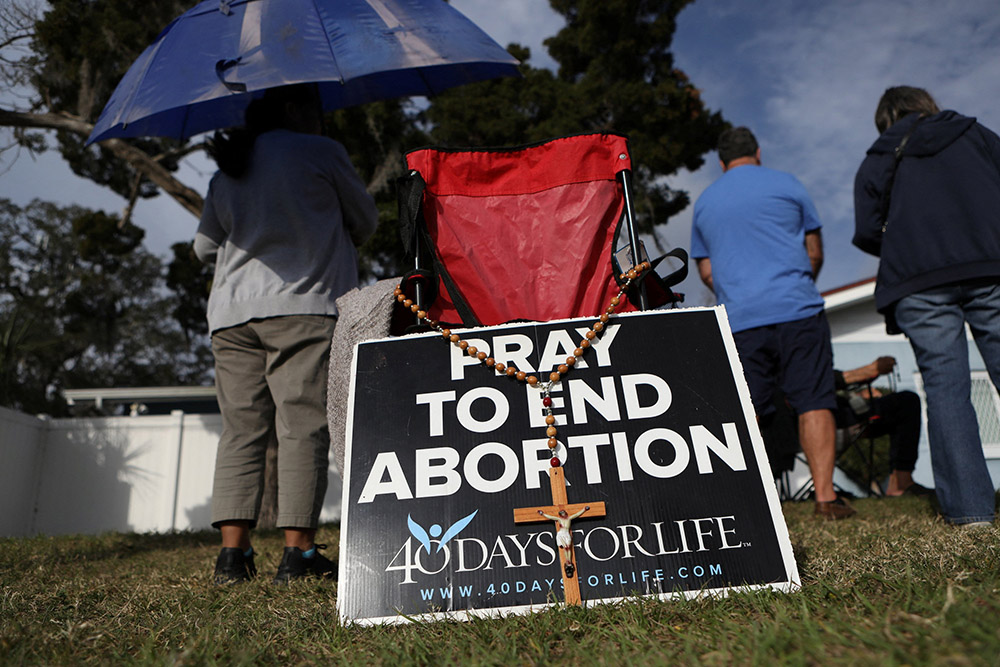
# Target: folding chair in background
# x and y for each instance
(531, 233)
(860, 427)
(856, 428)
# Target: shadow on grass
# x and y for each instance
(109, 546)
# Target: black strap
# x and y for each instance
(658, 288)
(897, 157)
(469, 318)
(680, 274)
(410, 197)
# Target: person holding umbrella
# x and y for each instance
(281, 221)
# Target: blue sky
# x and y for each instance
(805, 75)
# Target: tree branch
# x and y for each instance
(139, 159)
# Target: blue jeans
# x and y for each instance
(934, 321)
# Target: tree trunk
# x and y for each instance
(140, 160)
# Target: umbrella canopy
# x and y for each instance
(205, 67)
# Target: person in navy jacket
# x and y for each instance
(933, 218)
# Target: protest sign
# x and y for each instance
(657, 439)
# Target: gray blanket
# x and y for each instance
(364, 314)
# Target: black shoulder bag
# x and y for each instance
(897, 157)
(891, 328)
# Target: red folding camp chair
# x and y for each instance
(526, 233)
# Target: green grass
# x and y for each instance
(894, 586)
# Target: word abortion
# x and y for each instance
(622, 453)
(436, 470)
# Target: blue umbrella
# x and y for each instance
(206, 66)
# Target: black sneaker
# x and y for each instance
(295, 566)
(232, 567)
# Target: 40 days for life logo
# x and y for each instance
(428, 552)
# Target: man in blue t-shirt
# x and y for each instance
(756, 239)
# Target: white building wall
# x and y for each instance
(125, 474)
(21, 444)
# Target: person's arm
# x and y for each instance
(814, 248)
(357, 206)
(705, 271)
(205, 249)
(869, 372)
(867, 211)
(992, 142)
(210, 234)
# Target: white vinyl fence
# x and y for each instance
(127, 474)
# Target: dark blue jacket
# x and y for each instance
(943, 224)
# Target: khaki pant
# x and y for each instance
(271, 377)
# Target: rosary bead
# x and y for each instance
(401, 297)
(481, 356)
(532, 380)
(632, 274)
(605, 317)
(463, 344)
(554, 376)
(553, 443)
(591, 335)
(610, 310)
(564, 368)
(521, 375)
(499, 367)
(578, 352)
(551, 431)
(414, 308)
(407, 302)
(397, 291)
(511, 371)
(489, 361)
(554, 462)
(454, 338)
(446, 333)
(585, 343)
(571, 361)
(422, 314)
(550, 420)
(546, 401)
(598, 326)
(471, 350)
(615, 301)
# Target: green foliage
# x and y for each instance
(78, 74)
(190, 281)
(616, 74)
(82, 49)
(82, 304)
(894, 586)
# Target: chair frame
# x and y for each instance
(873, 488)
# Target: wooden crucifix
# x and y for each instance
(561, 513)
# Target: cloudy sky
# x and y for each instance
(805, 75)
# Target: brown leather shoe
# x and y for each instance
(835, 509)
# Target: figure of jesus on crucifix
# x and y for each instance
(564, 538)
(562, 512)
